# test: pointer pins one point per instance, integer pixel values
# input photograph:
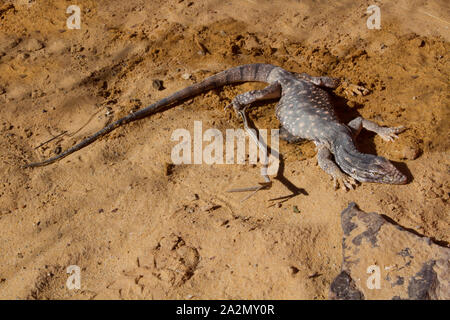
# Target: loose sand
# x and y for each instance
(140, 228)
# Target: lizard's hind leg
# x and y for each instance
(261, 145)
(241, 101)
(289, 137)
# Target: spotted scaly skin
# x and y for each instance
(304, 112)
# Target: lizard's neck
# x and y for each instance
(348, 158)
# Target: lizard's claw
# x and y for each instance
(390, 134)
(355, 90)
(237, 107)
(346, 182)
(255, 189)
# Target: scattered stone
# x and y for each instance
(109, 111)
(33, 45)
(189, 209)
(411, 152)
(295, 208)
(194, 197)
(168, 168)
(23, 56)
(252, 43)
(294, 270)
(235, 50)
(58, 150)
(28, 133)
(382, 260)
(202, 49)
(314, 275)
(186, 76)
(158, 84)
(210, 207)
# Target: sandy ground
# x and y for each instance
(141, 228)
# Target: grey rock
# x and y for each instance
(382, 260)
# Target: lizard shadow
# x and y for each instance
(295, 191)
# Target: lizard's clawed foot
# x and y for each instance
(346, 182)
(355, 90)
(390, 134)
(255, 189)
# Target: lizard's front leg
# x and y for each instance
(330, 167)
(272, 91)
(386, 133)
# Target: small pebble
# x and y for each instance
(210, 207)
(158, 84)
(168, 168)
(23, 56)
(314, 275)
(410, 152)
(33, 45)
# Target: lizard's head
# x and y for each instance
(377, 169)
(367, 167)
(327, 82)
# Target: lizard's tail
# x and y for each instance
(250, 72)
